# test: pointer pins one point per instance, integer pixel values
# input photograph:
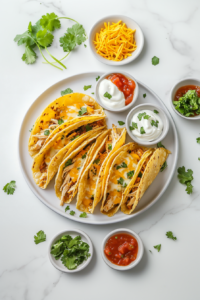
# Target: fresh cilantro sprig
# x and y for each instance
(158, 247)
(123, 165)
(170, 235)
(39, 237)
(121, 123)
(83, 215)
(107, 95)
(82, 111)
(67, 91)
(9, 188)
(86, 87)
(134, 126)
(186, 178)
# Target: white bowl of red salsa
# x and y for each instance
(179, 90)
(122, 249)
(125, 83)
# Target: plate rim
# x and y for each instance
(110, 221)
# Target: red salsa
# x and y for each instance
(184, 89)
(125, 85)
(121, 249)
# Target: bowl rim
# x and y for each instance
(135, 96)
(140, 249)
(146, 143)
(84, 264)
(110, 62)
(172, 90)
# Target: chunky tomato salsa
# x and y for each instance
(184, 89)
(125, 85)
(121, 249)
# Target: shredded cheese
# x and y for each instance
(115, 42)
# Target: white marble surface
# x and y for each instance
(171, 30)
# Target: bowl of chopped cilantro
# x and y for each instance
(185, 98)
(70, 250)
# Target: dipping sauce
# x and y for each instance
(146, 125)
(184, 89)
(121, 249)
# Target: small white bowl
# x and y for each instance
(73, 232)
(162, 115)
(139, 255)
(183, 82)
(135, 96)
(139, 38)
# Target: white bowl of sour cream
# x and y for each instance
(109, 96)
(147, 124)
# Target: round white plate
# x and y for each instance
(48, 197)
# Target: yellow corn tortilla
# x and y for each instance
(65, 109)
(151, 169)
(46, 163)
(89, 183)
(76, 162)
(122, 170)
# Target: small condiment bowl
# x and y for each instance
(135, 96)
(139, 254)
(162, 115)
(139, 38)
(73, 232)
(183, 82)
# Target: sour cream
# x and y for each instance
(145, 130)
(117, 99)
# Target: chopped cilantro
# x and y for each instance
(116, 237)
(169, 234)
(9, 188)
(85, 45)
(144, 95)
(72, 213)
(150, 251)
(142, 131)
(78, 168)
(147, 117)
(92, 93)
(198, 140)
(110, 147)
(154, 123)
(84, 155)
(199, 158)
(82, 111)
(160, 145)
(65, 92)
(60, 121)
(188, 104)
(88, 127)
(83, 215)
(121, 123)
(134, 126)
(155, 111)
(155, 61)
(68, 163)
(186, 178)
(121, 181)
(140, 115)
(67, 208)
(74, 137)
(140, 175)
(86, 87)
(96, 161)
(47, 132)
(158, 247)
(107, 95)
(123, 165)
(39, 237)
(97, 78)
(164, 166)
(130, 174)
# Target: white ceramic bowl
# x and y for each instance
(162, 115)
(139, 255)
(73, 232)
(139, 38)
(135, 96)
(186, 81)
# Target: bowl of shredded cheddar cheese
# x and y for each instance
(116, 40)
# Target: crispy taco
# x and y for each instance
(106, 145)
(62, 112)
(121, 172)
(145, 174)
(72, 168)
(46, 163)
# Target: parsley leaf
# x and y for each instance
(82, 111)
(29, 56)
(141, 115)
(155, 111)
(169, 234)
(88, 127)
(154, 123)
(158, 247)
(121, 181)
(134, 126)
(155, 61)
(67, 208)
(68, 163)
(75, 36)
(123, 165)
(83, 215)
(144, 95)
(86, 87)
(107, 95)
(109, 146)
(60, 121)
(96, 161)
(67, 91)
(147, 117)
(47, 132)
(121, 123)
(130, 174)
(40, 237)
(9, 188)
(186, 178)
(72, 213)
(97, 78)
(198, 140)
(50, 22)
(164, 166)
(142, 131)
(160, 145)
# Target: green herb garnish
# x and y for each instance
(72, 213)
(68, 163)
(188, 104)
(40, 237)
(110, 147)
(147, 117)
(97, 78)
(134, 126)
(9, 188)
(160, 145)
(60, 121)
(74, 137)
(121, 181)
(154, 123)
(123, 165)
(141, 115)
(107, 95)
(144, 95)
(74, 36)
(31, 128)
(121, 123)
(142, 131)
(155, 111)
(88, 127)
(186, 178)
(169, 234)
(158, 247)
(82, 111)
(130, 174)
(96, 161)
(164, 166)
(67, 208)
(155, 61)
(86, 87)
(83, 215)
(198, 140)
(140, 175)
(47, 132)
(85, 45)
(67, 91)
